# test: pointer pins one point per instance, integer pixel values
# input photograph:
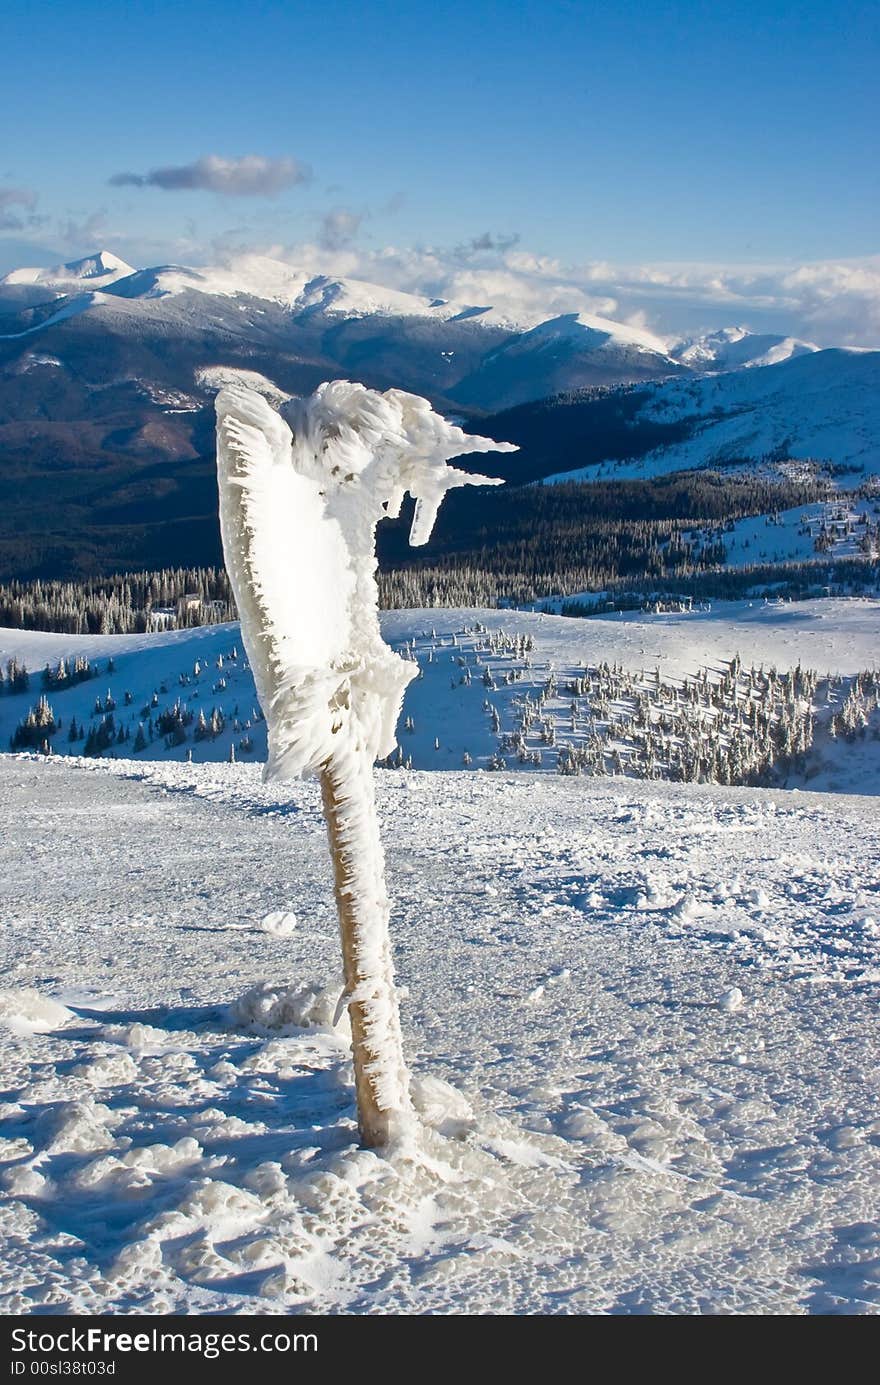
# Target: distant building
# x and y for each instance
(162, 618)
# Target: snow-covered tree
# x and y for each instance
(300, 498)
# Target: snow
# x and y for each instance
(28, 1012)
(305, 293)
(221, 377)
(818, 406)
(731, 1000)
(635, 1140)
(790, 535)
(72, 307)
(97, 270)
(280, 549)
(244, 276)
(255, 275)
(268, 1008)
(586, 331)
(833, 636)
(275, 281)
(843, 633)
(735, 348)
(298, 511)
(354, 298)
(280, 922)
(641, 1019)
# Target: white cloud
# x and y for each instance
(18, 209)
(84, 234)
(832, 302)
(251, 176)
(339, 228)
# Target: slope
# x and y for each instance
(642, 1023)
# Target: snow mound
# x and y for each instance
(270, 1008)
(731, 1001)
(28, 1012)
(74, 1127)
(281, 923)
(441, 1106)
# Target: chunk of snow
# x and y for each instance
(270, 1008)
(440, 1105)
(731, 1000)
(280, 922)
(28, 1012)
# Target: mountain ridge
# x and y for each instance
(107, 383)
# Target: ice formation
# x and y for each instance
(299, 505)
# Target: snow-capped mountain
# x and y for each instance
(168, 291)
(104, 322)
(736, 348)
(259, 313)
(33, 286)
(822, 406)
(108, 376)
(568, 352)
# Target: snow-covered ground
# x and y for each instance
(841, 526)
(449, 718)
(642, 1018)
(819, 406)
(655, 1005)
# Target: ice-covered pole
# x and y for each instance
(300, 498)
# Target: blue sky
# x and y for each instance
(700, 133)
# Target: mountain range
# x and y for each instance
(173, 321)
(107, 377)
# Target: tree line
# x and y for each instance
(519, 546)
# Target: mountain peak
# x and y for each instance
(99, 265)
(736, 348)
(588, 328)
(95, 271)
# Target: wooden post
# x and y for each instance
(380, 1077)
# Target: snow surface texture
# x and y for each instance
(645, 1041)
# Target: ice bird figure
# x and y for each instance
(300, 498)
